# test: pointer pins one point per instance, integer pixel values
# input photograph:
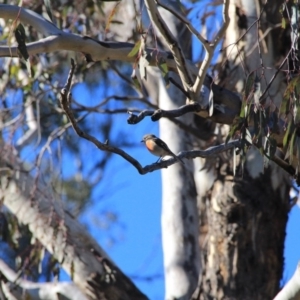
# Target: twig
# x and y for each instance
(96, 50)
(274, 76)
(65, 103)
(188, 24)
(222, 114)
(172, 80)
(179, 57)
(160, 113)
(284, 165)
(116, 98)
(248, 29)
(209, 51)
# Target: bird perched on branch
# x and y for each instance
(158, 147)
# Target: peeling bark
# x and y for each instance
(243, 253)
(243, 217)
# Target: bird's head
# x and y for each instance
(148, 137)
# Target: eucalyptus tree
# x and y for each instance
(232, 119)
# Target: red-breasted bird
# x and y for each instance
(158, 147)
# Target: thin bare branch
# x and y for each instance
(23, 288)
(160, 113)
(65, 103)
(179, 57)
(93, 49)
(209, 51)
(188, 24)
(95, 108)
(274, 76)
(222, 115)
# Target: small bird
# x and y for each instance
(158, 147)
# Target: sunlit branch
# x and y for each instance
(188, 24)
(29, 17)
(96, 50)
(209, 51)
(179, 57)
(23, 288)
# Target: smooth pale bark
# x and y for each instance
(179, 216)
(82, 258)
(179, 200)
(291, 291)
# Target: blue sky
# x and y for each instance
(136, 201)
(292, 244)
(134, 241)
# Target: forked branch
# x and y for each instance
(66, 98)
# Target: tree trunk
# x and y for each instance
(179, 198)
(243, 252)
(243, 217)
(36, 205)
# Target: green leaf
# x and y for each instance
(285, 105)
(48, 9)
(297, 152)
(21, 37)
(287, 134)
(72, 270)
(111, 15)
(283, 23)
(29, 69)
(249, 87)
(233, 129)
(296, 112)
(243, 110)
(297, 85)
(135, 49)
(291, 147)
(165, 72)
(137, 84)
(270, 146)
(143, 64)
